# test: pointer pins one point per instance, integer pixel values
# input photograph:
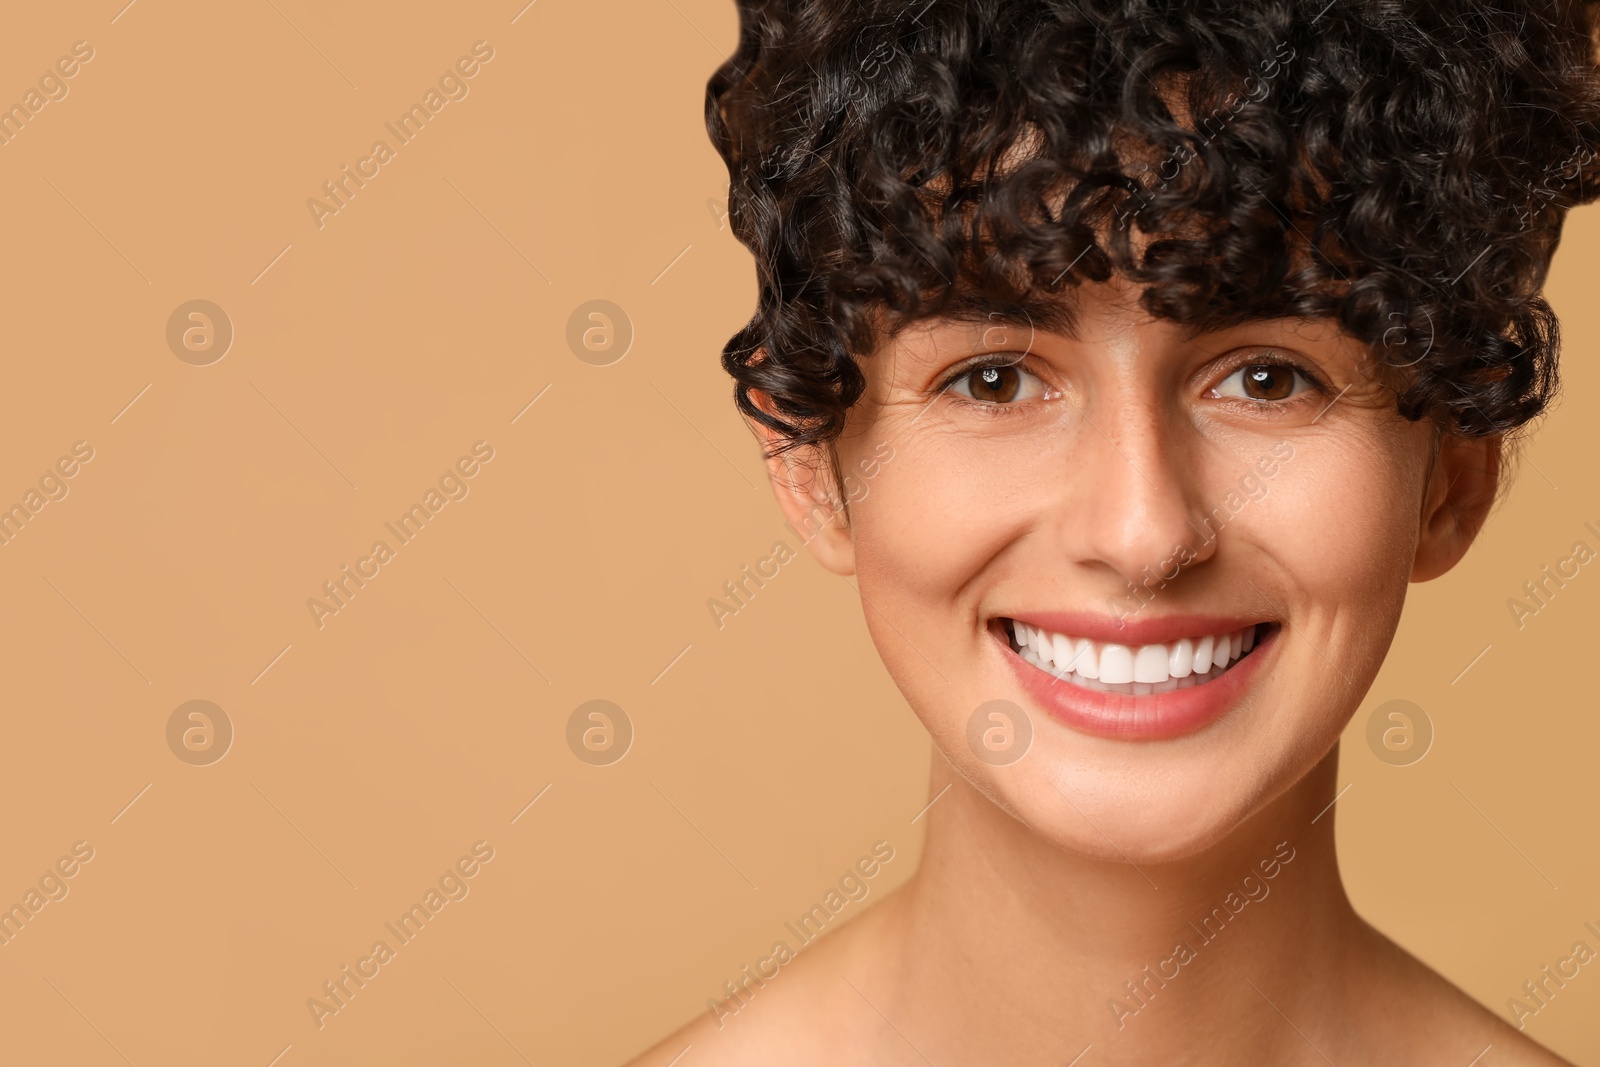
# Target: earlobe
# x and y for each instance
(802, 480)
(1462, 484)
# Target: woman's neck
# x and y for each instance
(1003, 942)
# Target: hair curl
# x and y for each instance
(1403, 167)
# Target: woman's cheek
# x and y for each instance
(1345, 525)
(924, 527)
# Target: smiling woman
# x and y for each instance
(971, 248)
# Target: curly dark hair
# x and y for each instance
(1402, 167)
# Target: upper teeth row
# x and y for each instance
(1120, 664)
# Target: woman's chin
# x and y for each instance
(1172, 823)
(1155, 835)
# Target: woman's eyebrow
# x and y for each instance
(1058, 316)
(1046, 316)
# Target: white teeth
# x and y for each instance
(1138, 669)
(1116, 664)
(1150, 664)
(1182, 662)
(1088, 659)
(1061, 651)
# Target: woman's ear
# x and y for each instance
(803, 481)
(1461, 490)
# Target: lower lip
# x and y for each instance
(1148, 717)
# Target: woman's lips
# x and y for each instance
(1148, 691)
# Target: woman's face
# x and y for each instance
(1069, 518)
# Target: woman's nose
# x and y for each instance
(1135, 492)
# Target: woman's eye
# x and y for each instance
(1005, 384)
(1263, 382)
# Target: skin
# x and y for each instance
(1048, 883)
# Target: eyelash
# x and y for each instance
(999, 359)
(1271, 359)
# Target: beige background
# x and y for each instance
(423, 717)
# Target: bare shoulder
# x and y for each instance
(807, 1012)
(1420, 1017)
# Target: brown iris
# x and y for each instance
(1268, 381)
(996, 385)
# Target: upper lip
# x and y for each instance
(1144, 630)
